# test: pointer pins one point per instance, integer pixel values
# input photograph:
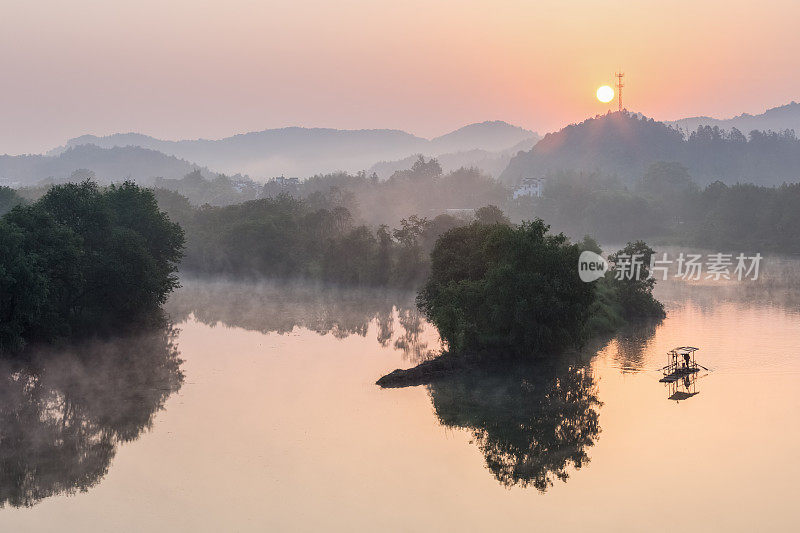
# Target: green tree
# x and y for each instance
(84, 260)
(425, 170)
(491, 214)
(506, 290)
(632, 281)
(8, 199)
(410, 264)
(351, 258)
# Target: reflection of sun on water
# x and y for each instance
(605, 93)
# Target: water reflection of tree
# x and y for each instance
(280, 308)
(64, 412)
(532, 422)
(412, 342)
(632, 343)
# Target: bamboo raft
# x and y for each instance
(681, 363)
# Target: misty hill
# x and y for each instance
(492, 136)
(108, 164)
(785, 117)
(626, 144)
(491, 163)
(307, 151)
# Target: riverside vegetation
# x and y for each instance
(492, 287)
(84, 261)
(499, 292)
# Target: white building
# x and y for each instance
(286, 182)
(533, 187)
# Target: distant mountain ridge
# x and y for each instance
(303, 152)
(781, 118)
(111, 164)
(622, 145)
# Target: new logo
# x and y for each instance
(591, 266)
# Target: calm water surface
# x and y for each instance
(273, 422)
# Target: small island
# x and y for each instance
(500, 293)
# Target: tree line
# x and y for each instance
(312, 239)
(666, 206)
(423, 189)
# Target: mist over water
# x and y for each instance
(286, 308)
(272, 419)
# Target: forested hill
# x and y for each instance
(626, 144)
(81, 162)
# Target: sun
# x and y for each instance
(605, 93)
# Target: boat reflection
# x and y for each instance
(63, 412)
(532, 422)
(683, 389)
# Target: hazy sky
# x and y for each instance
(200, 68)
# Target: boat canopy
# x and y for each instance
(685, 349)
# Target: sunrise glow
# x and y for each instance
(605, 94)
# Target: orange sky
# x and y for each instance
(187, 69)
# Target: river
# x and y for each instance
(260, 413)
